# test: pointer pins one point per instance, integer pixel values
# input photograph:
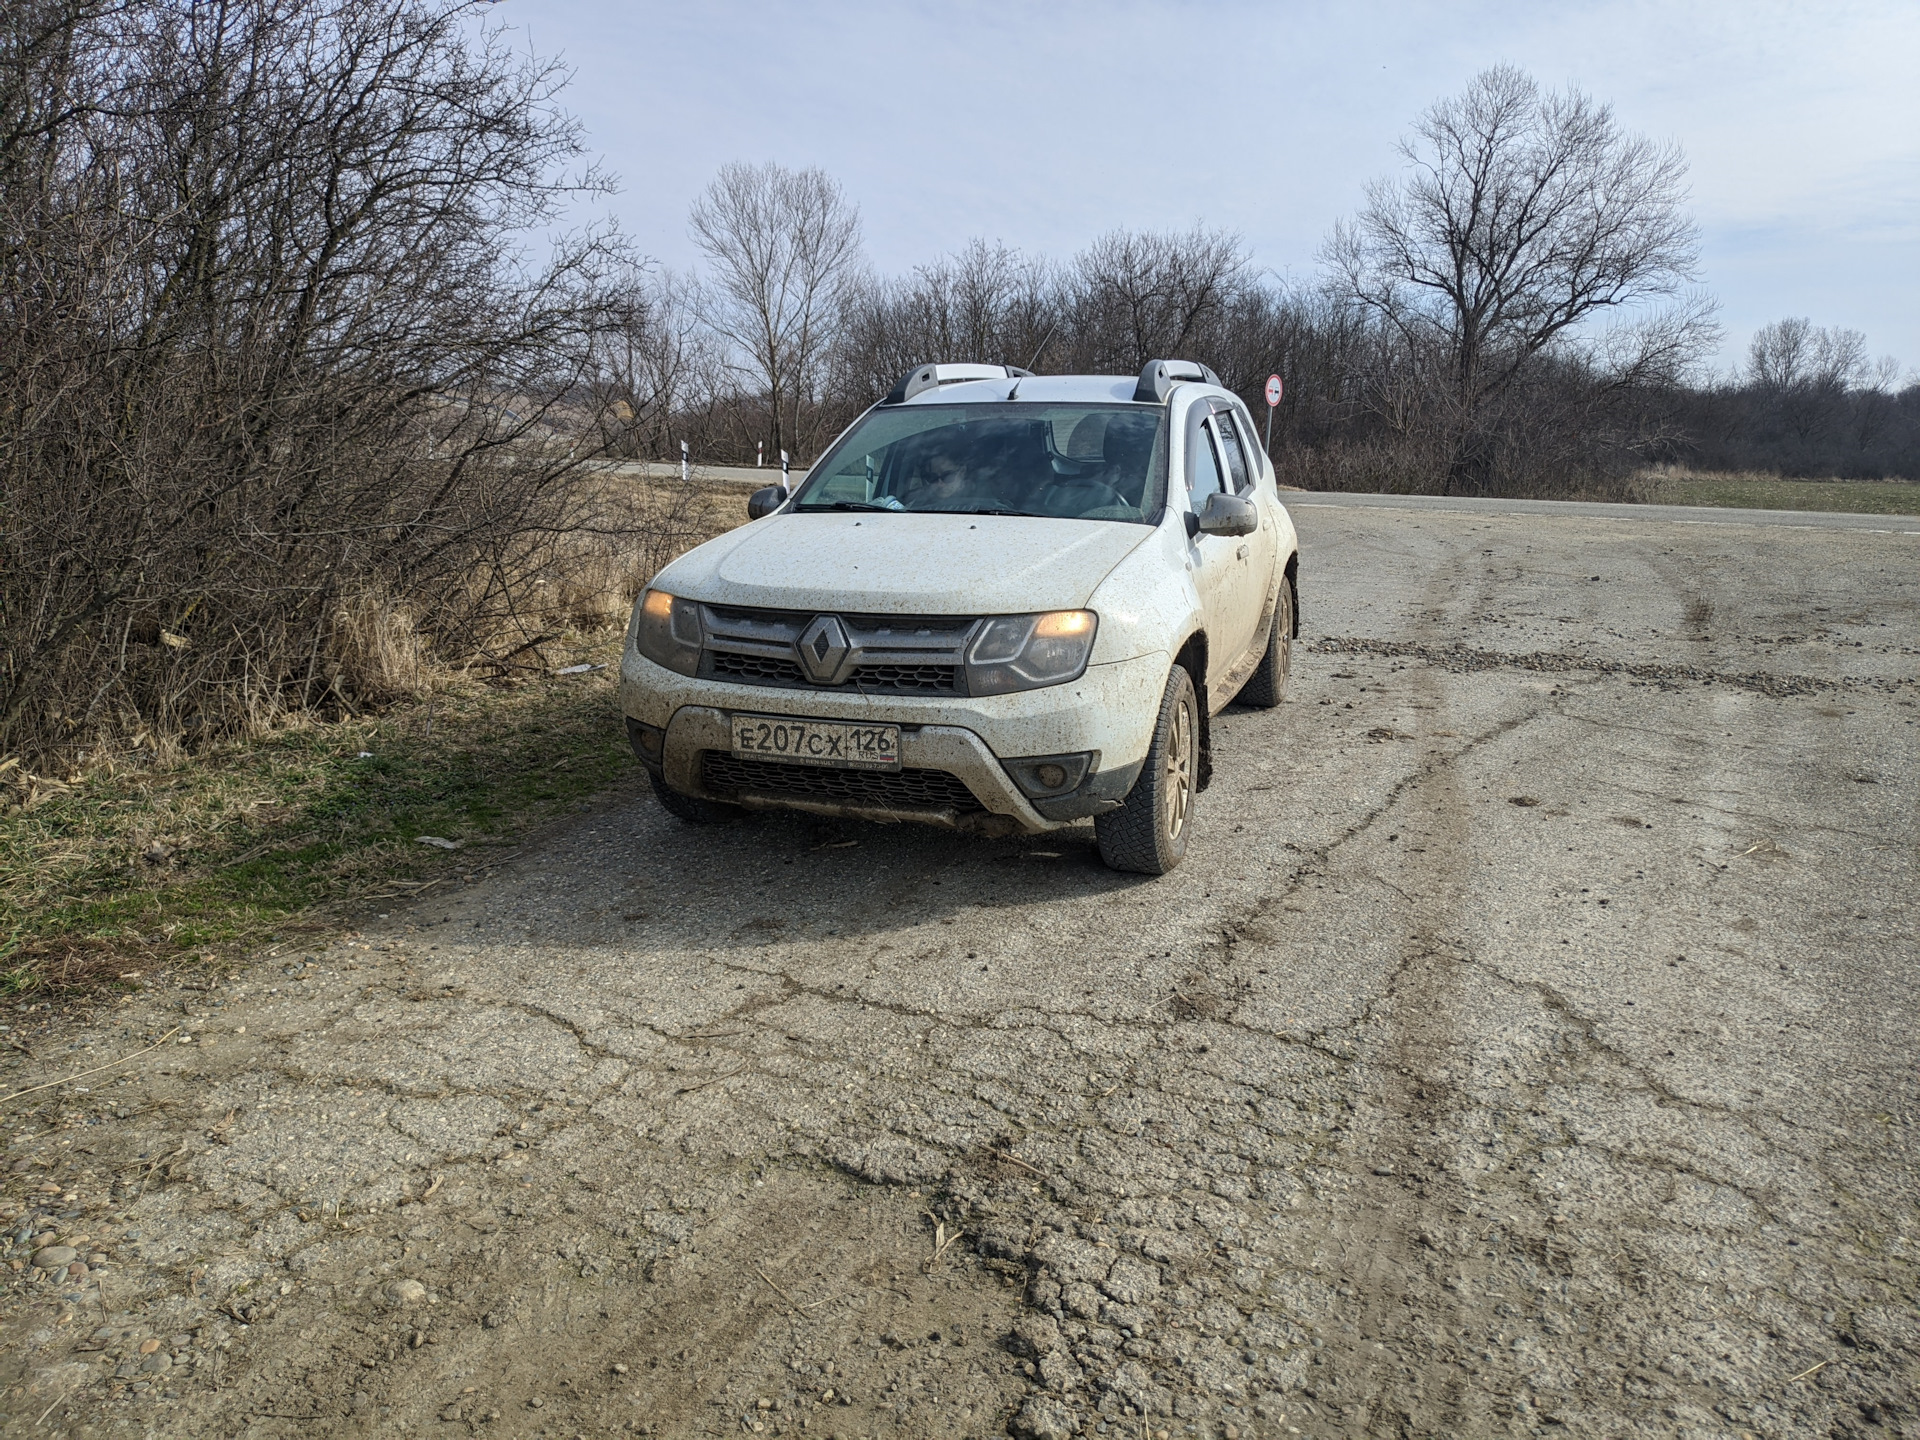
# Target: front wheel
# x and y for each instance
(1148, 833)
(1267, 686)
(694, 809)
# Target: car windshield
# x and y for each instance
(1074, 462)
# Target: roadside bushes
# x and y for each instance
(283, 412)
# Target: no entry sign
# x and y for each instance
(1273, 390)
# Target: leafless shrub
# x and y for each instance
(279, 403)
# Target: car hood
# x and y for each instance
(905, 564)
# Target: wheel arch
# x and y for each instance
(1192, 657)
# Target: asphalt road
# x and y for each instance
(1525, 1048)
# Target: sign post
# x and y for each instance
(1274, 389)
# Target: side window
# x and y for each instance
(1236, 458)
(1203, 468)
(1256, 455)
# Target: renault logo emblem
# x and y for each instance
(824, 649)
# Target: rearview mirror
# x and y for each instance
(1228, 515)
(766, 501)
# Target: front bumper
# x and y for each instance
(1109, 711)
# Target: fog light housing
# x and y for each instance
(1041, 776)
(649, 742)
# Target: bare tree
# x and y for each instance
(654, 360)
(1137, 295)
(985, 303)
(1524, 215)
(784, 249)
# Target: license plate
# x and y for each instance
(817, 742)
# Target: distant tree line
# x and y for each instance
(1514, 314)
(1809, 402)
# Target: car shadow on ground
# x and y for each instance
(627, 874)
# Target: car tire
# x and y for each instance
(691, 808)
(1267, 686)
(1148, 833)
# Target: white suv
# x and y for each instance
(999, 602)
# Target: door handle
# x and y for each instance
(1243, 553)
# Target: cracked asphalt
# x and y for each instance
(1525, 1048)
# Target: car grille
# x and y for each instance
(891, 654)
(724, 774)
(753, 669)
(914, 679)
(899, 679)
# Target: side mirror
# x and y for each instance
(766, 501)
(1228, 515)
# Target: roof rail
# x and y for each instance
(1160, 376)
(929, 377)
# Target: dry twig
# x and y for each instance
(82, 1074)
(942, 1242)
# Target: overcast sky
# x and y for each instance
(1043, 125)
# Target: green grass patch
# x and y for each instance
(1771, 492)
(131, 869)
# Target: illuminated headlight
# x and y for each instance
(1025, 652)
(667, 631)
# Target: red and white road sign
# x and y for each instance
(1273, 390)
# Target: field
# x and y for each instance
(1673, 486)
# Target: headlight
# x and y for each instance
(667, 631)
(1025, 652)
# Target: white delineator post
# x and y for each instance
(759, 454)
(684, 468)
(1274, 389)
(785, 482)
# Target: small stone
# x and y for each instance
(54, 1257)
(361, 1402)
(77, 1271)
(406, 1292)
(619, 1369)
(1044, 1418)
(493, 1320)
(156, 1362)
(537, 1403)
(763, 1404)
(147, 1347)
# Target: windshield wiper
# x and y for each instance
(1024, 514)
(849, 505)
